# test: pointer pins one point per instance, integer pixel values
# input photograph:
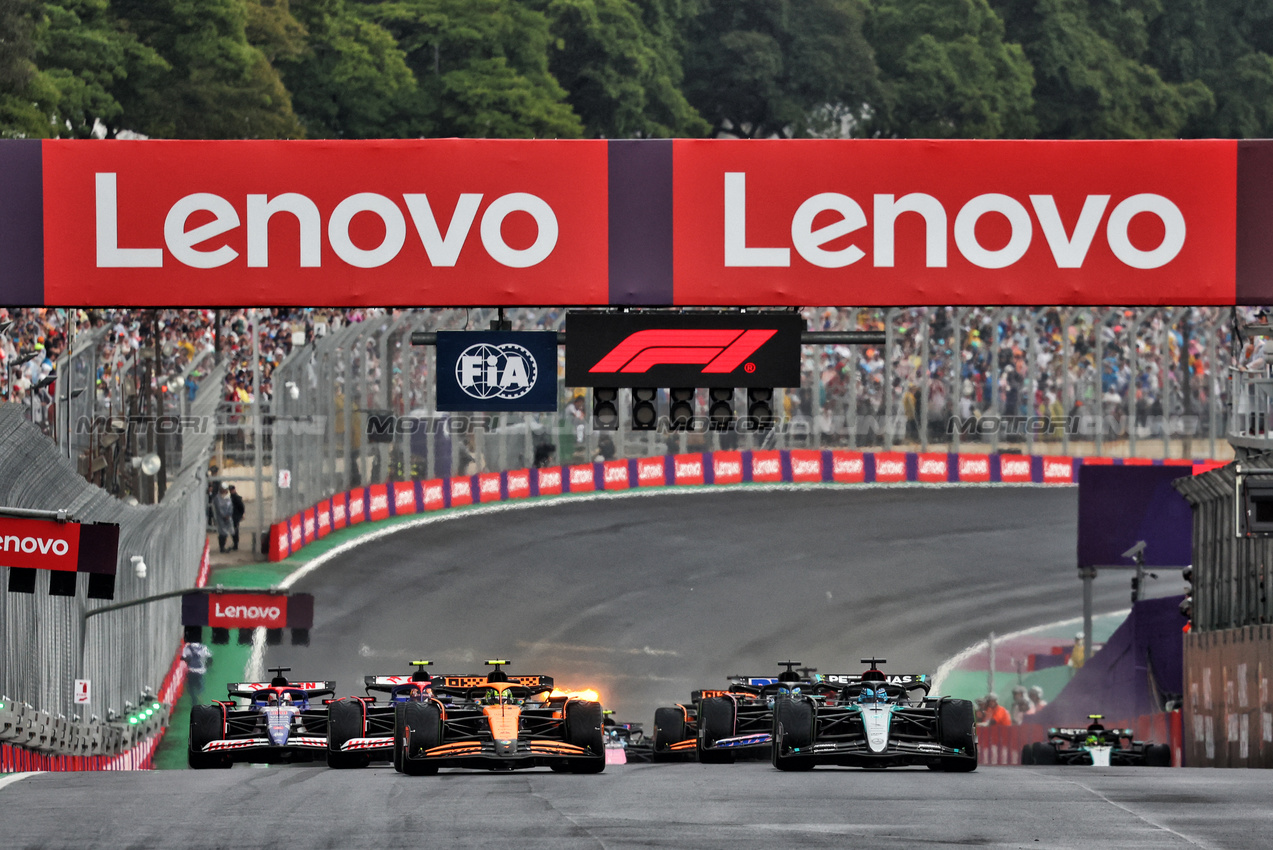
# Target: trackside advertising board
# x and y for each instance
(635, 222)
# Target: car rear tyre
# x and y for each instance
(1158, 755)
(1045, 754)
(583, 729)
(715, 721)
(206, 726)
(1027, 754)
(344, 723)
(422, 730)
(399, 724)
(669, 729)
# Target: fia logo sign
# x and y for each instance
(506, 371)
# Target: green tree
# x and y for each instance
(947, 72)
(1086, 85)
(762, 68)
(481, 67)
(622, 80)
(22, 89)
(348, 78)
(215, 86)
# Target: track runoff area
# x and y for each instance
(669, 223)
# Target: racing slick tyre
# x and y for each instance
(1027, 754)
(583, 729)
(399, 725)
(715, 721)
(957, 727)
(793, 727)
(669, 729)
(422, 730)
(1158, 755)
(206, 726)
(344, 723)
(1045, 753)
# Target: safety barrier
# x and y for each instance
(1000, 745)
(792, 466)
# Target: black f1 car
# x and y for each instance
(498, 722)
(874, 721)
(279, 724)
(1096, 745)
(360, 729)
(721, 725)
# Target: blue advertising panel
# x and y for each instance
(1122, 505)
(497, 371)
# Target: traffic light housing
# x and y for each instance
(681, 408)
(720, 410)
(605, 408)
(645, 414)
(1186, 604)
(760, 406)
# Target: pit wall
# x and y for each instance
(794, 466)
(999, 745)
(40, 741)
(1228, 709)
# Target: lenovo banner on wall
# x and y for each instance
(683, 350)
(635, 222)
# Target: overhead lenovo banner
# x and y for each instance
(247, 610)
(683, 350)
(636, 222)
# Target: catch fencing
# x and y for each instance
(357, 407)
(127, 655)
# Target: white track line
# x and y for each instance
(981, 646)
(11, 778)
(254, 670)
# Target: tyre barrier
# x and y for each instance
(1002, 745)
(31, 739)
(784, 466)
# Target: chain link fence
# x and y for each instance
(1072, 381)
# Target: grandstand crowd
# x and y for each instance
(1009, 360)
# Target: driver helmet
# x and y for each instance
(491, 697)
(272, 698)
(285, 699)
(873, 692)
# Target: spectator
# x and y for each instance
(996, 715)
(1078, 655)
(1020, 705)
(236, 502)
(198, 658)
(223, 515)
(1037, 702)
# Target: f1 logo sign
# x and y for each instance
(683, 349)
(722, 351)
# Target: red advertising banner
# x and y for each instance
(324, 510)
(955, 222)
(727, 467)
(379, 504)
(890, 466)
(806, 466)
(404, 497)
(461, 491)
(39, 543)
(519, 484)
(247, 610)
(651, 472)
(488, 487)
(687, 469)
(1014, 469)
(549, 481)
(766, 466)
(1058, 470)
(615, 475)
(974, 467)
(931, 467)
(298, 538)
(437, 221)
(434, 499)
(309, 525)
(340, 516)
(847, 467)
(280, 541)
(356, 506)
(581, 478)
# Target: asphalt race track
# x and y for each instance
(647, 598)
(663, 805)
